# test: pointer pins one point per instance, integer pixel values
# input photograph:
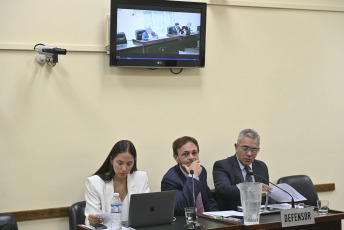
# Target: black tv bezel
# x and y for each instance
(156, 62)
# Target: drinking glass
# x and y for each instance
(322, 207)
(190, 214)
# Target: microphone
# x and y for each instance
(292, 198)
(193, 187)
(193, 225)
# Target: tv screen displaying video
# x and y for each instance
(157, 34)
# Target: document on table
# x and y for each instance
(272, 208)
(92, 228)
(224, 213)
(281, 196)
(282, 206)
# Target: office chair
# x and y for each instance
(8, 222)
(219, 201)
(169, 29)
(76, 215)
(121, 38)
(304, 185)
(138, 34)
(213, 192)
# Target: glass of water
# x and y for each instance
(190, 214)
(322, 207)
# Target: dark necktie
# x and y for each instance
(248, 177)
(199, 204)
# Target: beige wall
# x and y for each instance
(279, 71)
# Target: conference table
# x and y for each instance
(166, 45)
(332, 221)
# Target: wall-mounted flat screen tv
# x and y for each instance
(157, 33)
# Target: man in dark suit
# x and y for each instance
(229, 172)
(149, 34)
(176, 29)
(179, 178)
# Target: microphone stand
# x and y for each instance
(194, 224)
(193, 189)
(292, 198)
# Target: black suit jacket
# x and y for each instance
(174, 179)
(227, 174)
(176, 31)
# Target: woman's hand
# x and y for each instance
(94, 220)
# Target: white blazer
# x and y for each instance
(98, 194)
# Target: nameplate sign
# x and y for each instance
(296, 217)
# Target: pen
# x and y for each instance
(229, 219)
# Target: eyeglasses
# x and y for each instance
(246, 149)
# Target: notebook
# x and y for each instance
(153, 208)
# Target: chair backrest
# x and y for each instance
(219, 201)
(138, 34)
(169, 29)
(121, 38)
(304, 185)
(76, 214)
(8, 222)
(186, 29)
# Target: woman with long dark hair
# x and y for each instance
(117, 174)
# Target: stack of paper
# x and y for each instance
(281, 196)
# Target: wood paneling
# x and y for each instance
(41, 213)
(324, 187)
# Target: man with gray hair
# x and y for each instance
(229, 172)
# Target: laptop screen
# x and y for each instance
(148, 209)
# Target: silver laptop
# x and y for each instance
(147, 209)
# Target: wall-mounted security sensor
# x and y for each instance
(48, 54)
